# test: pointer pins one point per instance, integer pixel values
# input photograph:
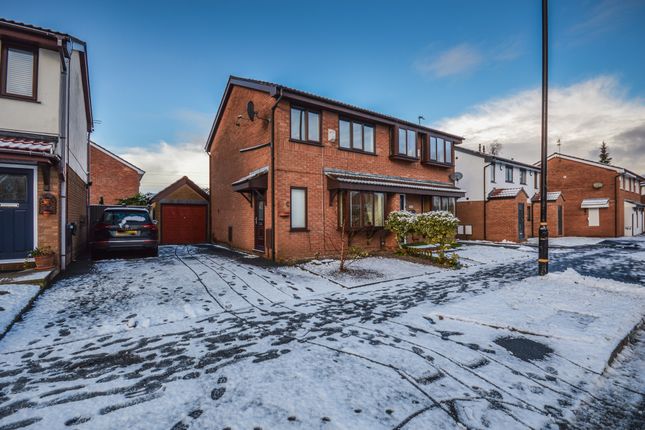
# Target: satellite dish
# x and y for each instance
(250, 110)
(456, 176)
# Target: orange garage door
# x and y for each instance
(183, 224)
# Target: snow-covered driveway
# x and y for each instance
(205, 339)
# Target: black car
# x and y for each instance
(125, 228)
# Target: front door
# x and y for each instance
(520, 221)
(560, 221)
(258, 215)
(16, 213)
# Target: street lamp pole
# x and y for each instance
(543, 257)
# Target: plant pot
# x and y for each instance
(44, 262)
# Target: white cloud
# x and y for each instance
(164, 163)
(581, 116)
(465, 58)
(462, 58)
(604, 16)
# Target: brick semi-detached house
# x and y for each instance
(45, 124)
(499, 204)
(113, 178)
(331, 165)
(600, 200)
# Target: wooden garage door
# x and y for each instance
(182, 224)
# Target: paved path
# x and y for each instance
(226, 342)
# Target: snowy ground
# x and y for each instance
(204, 338)
(14, 298)
(570, 241)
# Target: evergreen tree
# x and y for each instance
(604, 154)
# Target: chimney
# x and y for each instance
(480, 147)
(484, 149)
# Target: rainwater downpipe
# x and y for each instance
(63, 133)
(485, 200)
(272, 169)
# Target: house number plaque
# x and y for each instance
(47, 204)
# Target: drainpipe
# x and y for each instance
(62, 139)
(616, 191)
(485, 201)
(272, 168)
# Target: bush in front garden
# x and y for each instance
(402, 224)
(437, 228)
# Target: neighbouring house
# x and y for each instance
(601, 200)
(295, 175)
(181, 212)
(497, 204)
(112, 177)
(45, 126)
(554, 214)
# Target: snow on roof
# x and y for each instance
(27, 145)
(594, 203)
(389, 181)
(253, 174)
(551, 196)
(501, 193)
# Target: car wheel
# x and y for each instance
(154, 252)
(96, 255)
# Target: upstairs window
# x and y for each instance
(19, 70)
(509, 173)
(493, 172)
(440, 150)
(407, 143)
(356, 136)
(536, 180)
(305, 125)
(523, 176)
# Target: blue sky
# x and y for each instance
(158, 68)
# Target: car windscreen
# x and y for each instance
(124, 217)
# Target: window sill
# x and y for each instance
(403, 158)
(306, 142)
(298, 230)
(358, 229)
(357, 151)
(436, 163)
(510, 182)
(19, 98)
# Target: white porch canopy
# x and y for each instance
(594, 203)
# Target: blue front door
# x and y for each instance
(16, 213)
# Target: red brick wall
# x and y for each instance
(302, 165)
(110, 178)
(48, 225)
(77, 196)
(472, 213)
(227, 165)
(502, 219)
(296, 165)
(551, 218)
(576, 180)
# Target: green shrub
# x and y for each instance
(437, 228)
(402, 224)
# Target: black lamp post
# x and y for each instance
(543, 257)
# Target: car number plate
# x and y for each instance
(127, 233)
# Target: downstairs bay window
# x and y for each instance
(362, 209)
